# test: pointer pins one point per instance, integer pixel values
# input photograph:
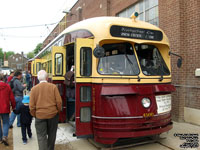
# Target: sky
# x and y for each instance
(23, 13)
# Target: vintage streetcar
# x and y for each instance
(122, 77)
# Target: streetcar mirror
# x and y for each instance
(99, 52)
(179, 63)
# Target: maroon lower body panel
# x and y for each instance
(108, 131)
(62, 91)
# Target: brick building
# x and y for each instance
(180, 21)
(17, 62)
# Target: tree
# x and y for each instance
(37, 49)
(1, 53)
(9, 53)
(30, 55)
(1, 57)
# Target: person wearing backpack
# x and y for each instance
(70, 84)
(6, 100)
(28, 80)
(17, 88)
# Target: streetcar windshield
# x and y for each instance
(119, 59)
(151, 61)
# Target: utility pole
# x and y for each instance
(22, 61)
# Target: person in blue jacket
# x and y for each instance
(25, 119)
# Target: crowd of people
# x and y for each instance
(43, 103)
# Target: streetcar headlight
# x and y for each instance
(146, 102)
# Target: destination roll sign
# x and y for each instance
(135, 33)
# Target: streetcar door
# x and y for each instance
(83, 72)
(58, 72)
(58, 62)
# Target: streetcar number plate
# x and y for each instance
(163, 103)
(147, 115)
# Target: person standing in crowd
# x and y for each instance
(17, 88)
(6, 99)
(10, 77)
(28, 80)
(70, 84)
(25, 118)
(5, 78)
(45, 105)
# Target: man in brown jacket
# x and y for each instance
(45, 104)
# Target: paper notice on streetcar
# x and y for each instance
(163, 103)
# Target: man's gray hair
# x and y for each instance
(42, 75)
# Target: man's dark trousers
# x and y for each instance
(46, 132)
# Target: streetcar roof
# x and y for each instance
(100, 29)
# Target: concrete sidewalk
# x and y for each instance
(17, 138)
(64, 139)
(174, 139)
(180, 133)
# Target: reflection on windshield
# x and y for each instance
(118, 59)
(151, 61)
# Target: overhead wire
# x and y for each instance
(16, 36)
(30, 26)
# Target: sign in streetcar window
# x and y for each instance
(163, 103)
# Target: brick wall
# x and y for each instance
(181, 22)
(192, 45)
(85, 9)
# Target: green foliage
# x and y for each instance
(38, 48)
(9, 53)
(30, 55)
(1, 56)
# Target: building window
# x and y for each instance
(147, 9)
(19, 66)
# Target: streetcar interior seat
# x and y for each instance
(143, 62)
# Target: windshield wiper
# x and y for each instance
(131, 64)
(162, 71)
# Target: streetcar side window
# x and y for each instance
(86, 61)
(44, 66)
(85, 94)
(58, 64)
(85, 114)
(38, 67)
(49, 66)
(34, 69)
